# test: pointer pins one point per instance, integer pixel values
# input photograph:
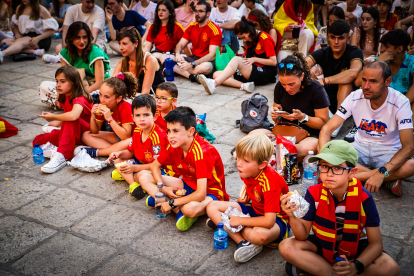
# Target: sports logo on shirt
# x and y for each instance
(156, 149)
(405, 121)
(191, 169)
(148, 156)
(256, 195)
(205, 37)
(342, 109)
(373, 128)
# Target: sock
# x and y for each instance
(39, 52)
(97, 152)
(55, 59)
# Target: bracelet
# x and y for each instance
(110, 121)
(324, 83)
(328, 81)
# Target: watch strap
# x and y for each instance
(171, 203)
(359, 266)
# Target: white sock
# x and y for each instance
(39, 52)
(55, 59)
(97, 152)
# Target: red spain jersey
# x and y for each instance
(265, 191)
(122, 114)
(161, 123)
(149, 150)
(87, 107)
(203, 37)
(390, 22)
(265, 47)
(162, 41)
(202, 161)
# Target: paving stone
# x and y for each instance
(5, 273)
(6, 88)
(8, 65)
(126, 224)
(14, 157)
(26, 96)
(198, 108)
(31, 69)
(50, 74)
(128, 264)
(24, 112)
(406, 262)
(232, 137)
(217, 129)
(20, 190)
(233, 185)
(17, 236)
(211, 100)
(236, 103)
(7, 76)
(63, 255)
(5, 145)
(61, 208)
(6, 104)
(31, 82)
(392, 225)
(1, 214)
(224, 116)
(228, 161)
(392, 246)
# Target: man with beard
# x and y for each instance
(205, 37)
(384, 140)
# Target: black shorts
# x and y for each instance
(259, 75)
(194, 58)
(44, 43)
(155, 50)
(318, 2)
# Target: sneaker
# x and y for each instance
(51, 58)
(48, 149)
(136, 190)
(39, 52)
(350, 137)
(211, 224)
(57, 161)
(395, 187)
(292, 270)
(48, 129)
(233, 153)
(246, 250)
(184, 223)
(248, 87)
(194, 78)
(1, 57)
(208, 84)
(90, 151)
(150, 201)
(116, 175)
(336, 131)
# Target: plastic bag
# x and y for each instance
(283, 147)
(85, 163)
(232, 211)
(201, 128)
(223, 59)
(299, 202)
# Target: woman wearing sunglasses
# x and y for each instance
(258, 67)
(144, 66)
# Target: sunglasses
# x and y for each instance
(288, 65)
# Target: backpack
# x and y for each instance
(254, 111)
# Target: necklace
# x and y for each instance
(369, 38)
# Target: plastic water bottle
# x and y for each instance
(57, 35)
(159, 198)
(337, 259)
(38, 157)
(220, 237)
(310, 173)
(169, 68)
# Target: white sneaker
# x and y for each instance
(39, 52)
(350, 137)
(51, 58)
(1, 57)
(248, 87)
(208, 84)
(336, 131)
(48, 149)
(246, 250)
(48, 129)
(57, 161)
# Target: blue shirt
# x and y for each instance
(132, 18)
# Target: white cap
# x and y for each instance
(310, 152)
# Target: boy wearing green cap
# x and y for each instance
(344, 220)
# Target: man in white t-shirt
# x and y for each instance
(384, 140)
(146, 8)
(249, 5)
(226, 18)
(352, 12)
(92, 15)
(269, 5)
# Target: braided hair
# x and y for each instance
(299, 66)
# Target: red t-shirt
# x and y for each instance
(146, 152)
(390, 22)
(203, 37)
(162, 41)
(201, 161)
(265, 191)
(122, 114)
(161, 123)
(265, 47)
(87, 106)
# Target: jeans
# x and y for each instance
(231, 39)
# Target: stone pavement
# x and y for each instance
(74, 223)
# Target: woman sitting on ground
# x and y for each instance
(5, 31)
(58, 10)
(85, 56)
(33, 28)
(164, 33)
(258, 67)
(264, 24)
(144, 66)
(304, 100)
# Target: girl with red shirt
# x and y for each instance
(76, 103)
(258, 67)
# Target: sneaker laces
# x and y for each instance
(353, 130)
(56, 159)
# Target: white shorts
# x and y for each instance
(374, 156)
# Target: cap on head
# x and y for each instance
(337, 152)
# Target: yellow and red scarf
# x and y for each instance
(324, 225)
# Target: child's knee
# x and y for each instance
(212, 207)
(258, 235)
(189, 210)
(287, 249)
(389, 267)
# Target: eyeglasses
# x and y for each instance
(335, 169)
(128, 28)
(288, 66)
(162, 99)
(199, 11)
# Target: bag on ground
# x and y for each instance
(254, 111)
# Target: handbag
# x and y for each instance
(289, 44)
(289, 129)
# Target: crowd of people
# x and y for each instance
(331, 59)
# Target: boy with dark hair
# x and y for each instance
(148, 141)
(199, 164)
(387, 18)
(344, 218)
(166, 97)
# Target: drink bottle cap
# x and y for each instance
(220, 225)
(338, 259)
(36, 145)
(310, 152)
(160, 184)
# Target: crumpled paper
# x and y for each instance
(85, 163)
(301, 203)
(232, 211)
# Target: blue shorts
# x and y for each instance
(283, 224)
(190, 191)
(137, 162)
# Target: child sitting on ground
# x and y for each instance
(267, 224)
(343, 217)
(77, 104)
(196, 160)
(147, 143)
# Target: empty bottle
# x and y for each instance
(220, 237)
(159, 198)
(310, 173)
(169, 68)
(38, 157)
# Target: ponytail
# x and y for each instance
(124, 84)
(246, 26)
(300, 66)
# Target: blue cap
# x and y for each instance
(220, 225)
(338, 259)
(36, 145)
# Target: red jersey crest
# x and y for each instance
(148, 156)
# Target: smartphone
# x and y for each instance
(179, 63)
(281, 112)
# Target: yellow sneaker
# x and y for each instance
(184, 223)
(116, 175)
(136, 190)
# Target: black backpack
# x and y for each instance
(254, 111)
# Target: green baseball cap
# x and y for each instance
(337, 152)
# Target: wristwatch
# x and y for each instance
(171, 203)
(193, 64)
(359, 266)
(384, 171)
(304, 120)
